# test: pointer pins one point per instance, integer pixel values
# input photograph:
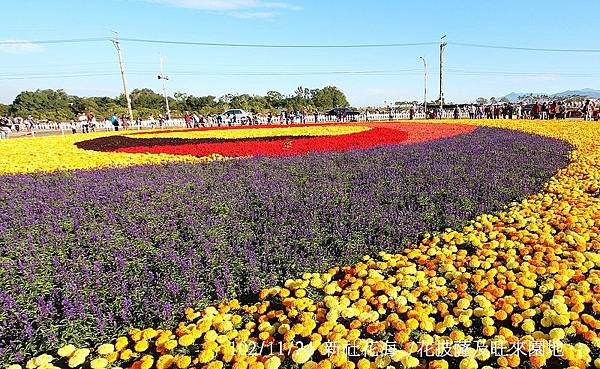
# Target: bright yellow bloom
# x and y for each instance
(66, 351)
(141, 346)
(43, 359)
(105, 349)
(186, 340)
(206, 355)
(273, 363)
(99, 363)
(78, 357)
(171, 344)
(121, 343)
(183, 361)
(165, 362)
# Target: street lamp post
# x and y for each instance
(164, 78)
(425, 86)
(443, 44)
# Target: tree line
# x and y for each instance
(57, 105)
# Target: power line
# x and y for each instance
(521, 74)
(313, 46)
(188, 73)
(484, 46)
(51, 76)
(280, 46)
(62, 41)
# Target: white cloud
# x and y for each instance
(19, 47)
(238, 8)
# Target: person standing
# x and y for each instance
(316, 116)
(115, 121)
(188, 120)
(588, 110)
(125, 122)
(536, 110)
(85, 127)
(4, 127)
(562, 111)
(552, 110)
(544, 111)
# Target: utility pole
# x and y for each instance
(425, 86)
(442, 45)
(117, 44)
(164, 78)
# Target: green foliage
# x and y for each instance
(49, 104)
(57, 105)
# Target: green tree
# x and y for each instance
(57, 105)
(275, 99)
(328, 98)
(43, 104)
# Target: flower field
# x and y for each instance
(404, 250)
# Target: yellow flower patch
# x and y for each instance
(59, 153)
(240, 133)
(55, 153)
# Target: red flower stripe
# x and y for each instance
(281, 146)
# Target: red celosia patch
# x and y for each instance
(273, 146)
(420, 132)
(387, 133)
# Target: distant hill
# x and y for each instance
(588, 92)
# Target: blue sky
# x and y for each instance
(471, 72)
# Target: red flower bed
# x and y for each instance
(420, 132)
(277, 146)
(379, 134)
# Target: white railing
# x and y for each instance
(66, 127)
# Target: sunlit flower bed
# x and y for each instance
(523, 279)
(266, 140)
(129, 148)
(52, 153)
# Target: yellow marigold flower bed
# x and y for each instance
(52, 153)
(528, 276)
(239, 133)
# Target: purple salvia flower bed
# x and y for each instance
(86, 255)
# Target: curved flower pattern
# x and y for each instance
(114, 248)
(119, 149)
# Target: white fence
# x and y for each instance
(212, 122)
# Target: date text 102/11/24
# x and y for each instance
(370, 348)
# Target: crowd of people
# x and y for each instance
(195, 120)
(16, 124)
(545, 110)
(551, 110)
